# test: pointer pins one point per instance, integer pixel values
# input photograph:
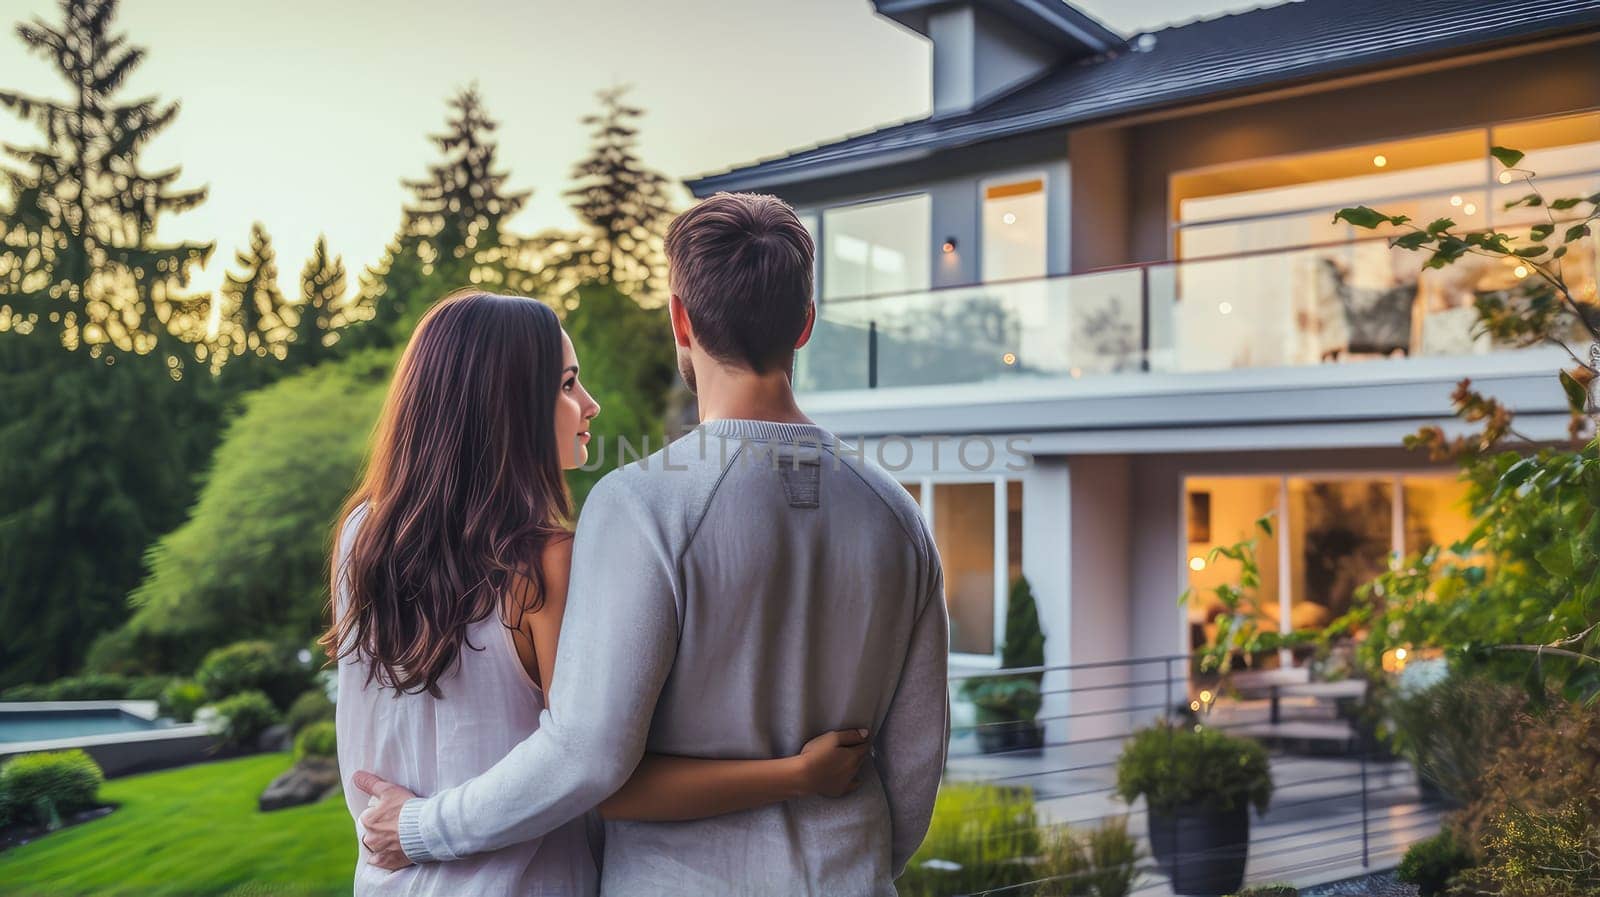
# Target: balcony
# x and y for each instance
(1293, 312)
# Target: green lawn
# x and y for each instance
(193, 832)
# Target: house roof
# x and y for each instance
(1239, 53)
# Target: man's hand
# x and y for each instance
(380, 822)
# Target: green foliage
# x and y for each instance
(255, 330)
(254, 666)
(1452, 730)
(1099, 862)
(321, 311)
(181, 699)
(1004, 699)
(105, 426)
(166, 822)
(319, 739)
(1269, 891)
(311, 707)
(253, 555)
(629, 367)
(1528, 575)
(1432, 863)
(1012, 698)
(979, 838)
(42, 789)
(90, 687)
(1174, 766)
(627, 204)
(242, 719)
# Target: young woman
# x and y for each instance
(450, 579)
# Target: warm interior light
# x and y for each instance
(1520, 271)
(1206, 696)
(1380, 160)
(1225, 308)
(1009, 358)
(1197, 563)
(1455, 200)
(1009, 218)
(1400, 654)
(1505, 177)
(949, 246)
(1470, 209)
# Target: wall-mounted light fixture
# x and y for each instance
(949, 245)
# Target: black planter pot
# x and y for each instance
(1201, 850)
(1010, 736)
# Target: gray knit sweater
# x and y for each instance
(748, 587)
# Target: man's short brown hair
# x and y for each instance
(742, 265)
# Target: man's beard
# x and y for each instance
(686, 370)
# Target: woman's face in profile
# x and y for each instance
(574, 409)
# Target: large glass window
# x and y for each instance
(977, 526)
(1014, 226)
(963, 528)
(876, 247)
(1270, 279)
(1331, 535)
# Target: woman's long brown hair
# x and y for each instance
(463, 489)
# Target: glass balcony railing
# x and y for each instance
(1333, 304)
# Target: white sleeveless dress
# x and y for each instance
(426, 744)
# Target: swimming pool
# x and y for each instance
(122, 736)
(49, 725)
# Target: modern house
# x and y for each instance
(1095, 312)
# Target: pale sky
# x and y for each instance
(306, 114)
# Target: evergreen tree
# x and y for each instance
(626, 203)
(255, 331)
(318, 315)
(100, 443)
(451, 234)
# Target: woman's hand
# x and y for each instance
(829, 763)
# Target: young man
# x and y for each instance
(744, 589)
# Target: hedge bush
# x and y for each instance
(317, 740)
(41, 789)
(181, 698)
(253, 666)
(311, 707)
(242, 718)
(90, 687)
(1097, 862)
(1430, 864)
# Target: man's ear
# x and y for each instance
(811, 321)
(682, 331)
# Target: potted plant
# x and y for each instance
(1008, 705)
(1198, 784)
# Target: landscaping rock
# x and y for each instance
(275, 738)
(306, 782)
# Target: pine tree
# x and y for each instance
(255, 329)
(318, 316)
(102, 433)
(451, 233)
(626, 203)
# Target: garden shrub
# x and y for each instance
(1175, 766)
(1099, 862)
(181, 698)
(242, 718)
(981, 837)
(1451, 730)
(311, 707)
(1432, 863)
(88, 687)
(148, 688)
(253, 666)
(316, 740)
(41, 789)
